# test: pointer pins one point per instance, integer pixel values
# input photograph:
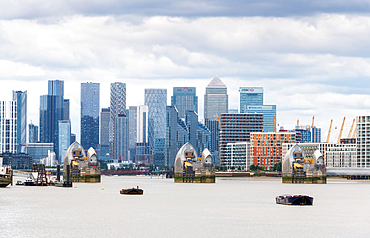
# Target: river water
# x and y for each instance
(234, 207)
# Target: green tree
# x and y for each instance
(277, 167)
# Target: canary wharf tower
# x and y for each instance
(216, 100)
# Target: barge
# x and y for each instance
(301, 200)
(132, 191)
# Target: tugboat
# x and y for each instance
(132, 191)
(294, 200)
(29, 182)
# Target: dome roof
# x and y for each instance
(206, 156)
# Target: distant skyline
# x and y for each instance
(310, 57)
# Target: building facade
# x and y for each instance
(8, 127)
(362, 136)
(117, 107)
(341, 156)
(39, 150)
(266, 147)
(236, 127)
(33, 133)
(237, 156)
(64, 137)
(121, 138)
(184, 98)
(269, 115)
(216, 100)
(104, 132)
(250, 96)
(21, 99)
(214, 127)
(90, 108)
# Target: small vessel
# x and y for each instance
(294, 200)
(6, 176)
(132, 191)
(19, 183)
(29, 182)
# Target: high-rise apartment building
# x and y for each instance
(21, 99)
(120, 138)
(104, 131)
(117, 107)
(33, 133)
(184, 98)
(64, 138)
(90, 108)
(216, 100)
(8, 126)
(51, 111)
(156, 100)
(362, 138)
(236, 127)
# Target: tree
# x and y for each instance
(277, 167)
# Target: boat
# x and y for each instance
(6, 176)
(132, 191)
(294, 200)
(19, 183)
(29, 182)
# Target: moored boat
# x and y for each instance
(294, 200)
(132, 191)
(29, 182)
(19, 183)
(6, 176)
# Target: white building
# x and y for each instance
(341, 156)
(238, 155)
(362, 141)
(8, 126)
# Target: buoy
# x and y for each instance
(102, 188)
(75, 186)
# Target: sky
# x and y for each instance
(311, 57)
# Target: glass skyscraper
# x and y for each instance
(213, 126)
(117, 107)
(250, 96)
(66, 109)
(21, 99)
(216, 100)
(156, 100)
(90, 107)
(104, 131)
(184, 98)
(64, 138)
(51, 111)
(268, 111)
(120, 138)
(33, 133)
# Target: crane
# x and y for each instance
(274, 123)
(350, 131)
(331, 123)
(219, 122)
(297, 124)
(341, 130)
(354, 133)
(313, 119)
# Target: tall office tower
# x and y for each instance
(66, 109)
(117, 107)
(213, 126)
(64, 138)
(156, 100)
(104, 131)
(250, 96)
(216, 100)
(184, 98)
(8, 126)
(203, 138)
(269, 115)
(33, 133)
(191, 120)
(132, 134)
(51, 111)
(120, 137)
(21, 99)
(90, 108)
(142, 140)
(236, 127)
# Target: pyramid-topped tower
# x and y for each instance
(216, 100)
(216, 82)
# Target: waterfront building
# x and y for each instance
(104, 131)
(51, 111)
(362, 138)
(156, 100)
(121, 138)
(345, 156)
(16, 160)
(250, 96)
(236, 127)
(216, 100)
(269, 115)
(8, 126)
(305, 134)
(39, 150)
(117, 107)
(237, 156)
(214, 127)
(21, 99)
(66, 109)
(33, 133)
(266, 147)
(90, 108)
(64, 137)
(184, 98)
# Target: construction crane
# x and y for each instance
(331, 123)
(313, 119)
(350, 131)
(219, 122)
(297, 124)
(340, 132)
(354, 133)
(274, 123)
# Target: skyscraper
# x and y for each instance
(120, 137)
(8, 126)
(132, 134)
(104, 131)
(156, 100)
(33, 133)
(250, 96)
(64, 138)
(51, 111)
(66, 109)
(216, 100)
(191, 120)
(21, 99)
(214, 128)
(269, 115)
(90, 107)
(117, 107)
(184, 98)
